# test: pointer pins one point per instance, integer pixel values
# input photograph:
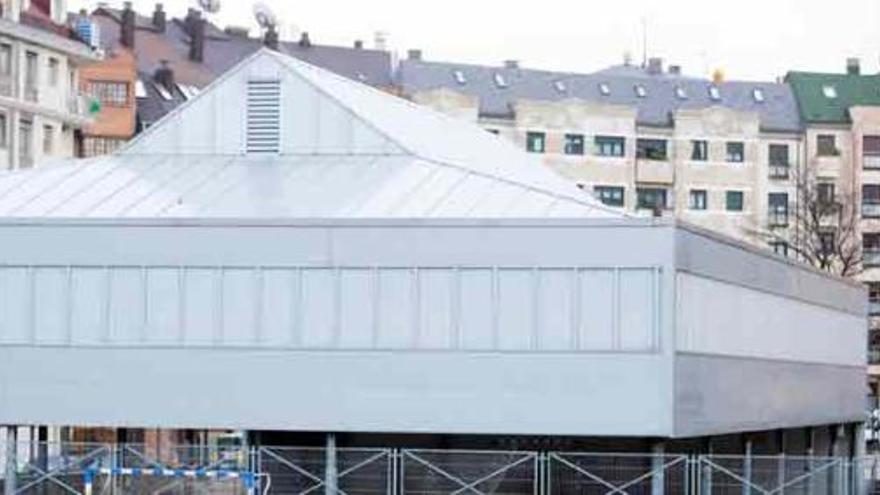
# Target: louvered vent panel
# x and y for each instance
(264, 117)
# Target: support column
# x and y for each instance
(658, 460)
(9, 487)
(859, 453)
(705, 487)
(748, 447)
(331, 472)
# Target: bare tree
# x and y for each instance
(820, 226)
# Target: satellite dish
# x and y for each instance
(210, 6)
(264, 15)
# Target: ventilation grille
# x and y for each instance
(263, 117)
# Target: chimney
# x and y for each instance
(164, 75)
(126, 30)
(511, 64)
(358, 44)
(414, 54)
(304, 40)
(380, 40)
(853, 66)
(159, 18)
(197, 38)
(270, 40)
(655, 66)
(675, 70)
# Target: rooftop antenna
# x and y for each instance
(644, 41)
(264, 16)
(209, 6)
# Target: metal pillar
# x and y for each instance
(9, 487)
(658, 476)
(858, 453)
(705, 486)
(331, 472)
(748, 446)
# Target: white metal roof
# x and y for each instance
(348, 151)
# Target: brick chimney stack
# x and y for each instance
(159, 18)
(270, 40)
(127, 29)
(197, 37)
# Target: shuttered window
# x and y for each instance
(263, 117)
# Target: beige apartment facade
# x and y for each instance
(709, 164)
(41, 108)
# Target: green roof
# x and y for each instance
(852, 90)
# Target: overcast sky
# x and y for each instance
(748, 39)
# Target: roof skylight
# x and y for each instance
(758, 95)
(163, 92)
(140, 91)
(829, 91)
(560, 86)
(681, 93)
(714, 92)
(459, 76)
(500, 81)
(641, 92)
(605, 89)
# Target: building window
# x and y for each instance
(574, 144)
(97, 146)
(652, 149)
(697, 199)
(54, 68)
(871, 249)
(31, 77)
(826, 242)
(779, 161)
(780, 248)
(610, 146)
(871, 200)
(4, 131)
(736, 152)
(699, 151)
(871, 152)
(48, 139)
(829, 91)
(536, 142)
(651, 198)
(777, 209)
(25, 144)
(825, 193)
(826, 145)
(734, 201)
(609, 195)
(874, 298)
(109, 93)
(5, 59)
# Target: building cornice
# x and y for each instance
(48, 40)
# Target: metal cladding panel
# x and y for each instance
(411, 343)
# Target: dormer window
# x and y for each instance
(680, 93)
(605, 89)
(758, 95)
(829, 91)
(641, 92)
(459, 77)
(140, 91)
(714, 93)
(500, 81)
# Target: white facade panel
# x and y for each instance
(718, 318)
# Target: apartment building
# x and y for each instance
(41, 108)
(719, 154)
(841, 113)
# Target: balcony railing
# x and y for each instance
(778, 218)
(873, 356)
(871, 210)
(32, 94)
(779, 171)
(7, 85)
(871, 162)
(78, 105)
(871, 256)
(874, 308)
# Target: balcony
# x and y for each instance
(7, 86)
(655, 171)
(871, 210)
(871, 162)
(778, 218)
(874, 308)
(779, 171)
(78, 105)
(873, 356)
(871, 257)
(32, 94)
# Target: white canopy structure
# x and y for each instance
(294, 251)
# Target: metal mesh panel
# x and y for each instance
(622, 474)
(771, 475)
(429, 472)
(302, 470)
(52, 469)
